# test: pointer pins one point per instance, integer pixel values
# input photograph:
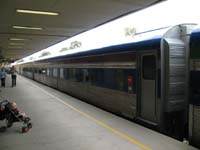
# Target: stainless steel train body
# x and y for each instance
(146, 81)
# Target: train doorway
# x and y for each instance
(148, 87)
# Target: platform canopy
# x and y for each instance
(23, 33)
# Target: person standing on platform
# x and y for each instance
(3, 77)
(13, 76)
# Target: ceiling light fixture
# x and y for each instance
(17, 44)
(29, 28)
(15, 47)
(17, 39)
(37, 12)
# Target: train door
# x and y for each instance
(148, 87)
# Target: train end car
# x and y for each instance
(146, 81)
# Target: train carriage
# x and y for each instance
(146, 80)
(194, 98)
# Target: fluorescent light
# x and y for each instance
(15, 47)
(37, 12)
(24, 27)
(17, 39)
(16, 44)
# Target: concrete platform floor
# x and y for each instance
(61, 122)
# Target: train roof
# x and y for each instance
(144, 45)
(149, 40)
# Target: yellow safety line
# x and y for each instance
(124, 136)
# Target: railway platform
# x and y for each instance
(61, 122)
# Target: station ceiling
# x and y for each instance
(75, 16)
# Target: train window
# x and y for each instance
(44, 71)
(109, 75)
(71, 74)
(58, 72)
(51, 72)
(65, 73)
(149, 67)
(130, 80)
(79, 75)
(62, 73)
(119, 77)
(92, 76)
(35, 70)
(39, 70)
(100, 77)
(48, 72)
(55, 72)
(108, 78)
(85, 75)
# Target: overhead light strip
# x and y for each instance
(17, 39)
(19, 44)
(37, 12)
(15, 47)
(29, 28)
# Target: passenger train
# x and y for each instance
(154, 80)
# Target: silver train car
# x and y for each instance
(146, 81)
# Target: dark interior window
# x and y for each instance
(149, 67)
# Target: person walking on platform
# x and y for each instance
(13, 76)
(3, 77)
